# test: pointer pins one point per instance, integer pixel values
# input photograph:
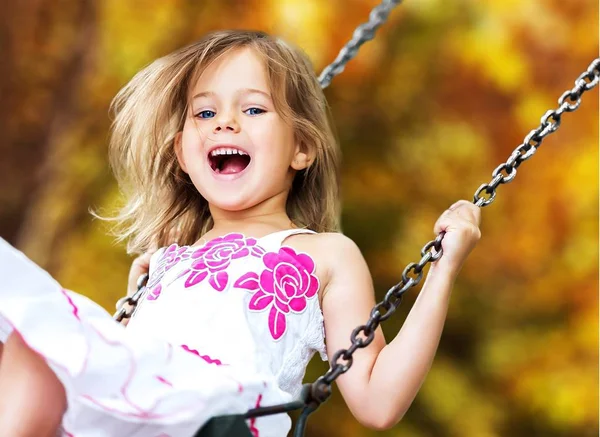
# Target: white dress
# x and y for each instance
(223, 328)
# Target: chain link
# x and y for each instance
(363, 33)
(122, 311)
(432, 251)
(569, 101)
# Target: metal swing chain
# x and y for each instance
(432, 251)
(363, 33)
(132, 301)
(550, 122)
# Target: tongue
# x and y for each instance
(233, 164)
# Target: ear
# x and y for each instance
(303, 157)
(179, 151)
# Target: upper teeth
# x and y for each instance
(226, 151)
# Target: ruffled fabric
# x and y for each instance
(119, 383)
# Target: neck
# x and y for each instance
(261, 219)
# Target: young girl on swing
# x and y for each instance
(225, 144)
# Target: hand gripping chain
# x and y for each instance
(432, 251)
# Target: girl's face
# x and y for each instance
(236, 149)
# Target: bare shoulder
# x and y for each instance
(321, 240)
(329, 250)
(327, 246)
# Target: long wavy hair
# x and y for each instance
(161, 205)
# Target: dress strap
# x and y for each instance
(275, 240)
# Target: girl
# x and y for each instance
(225, 144)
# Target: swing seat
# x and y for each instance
(233, 425)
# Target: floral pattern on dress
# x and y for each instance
(212, 260)
(284, 287)
(154, 293)
(168, 259)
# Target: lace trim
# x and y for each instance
(293, 368)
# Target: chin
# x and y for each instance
(231, 203)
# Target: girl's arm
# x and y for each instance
(384, 379)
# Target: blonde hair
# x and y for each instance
(160, 200)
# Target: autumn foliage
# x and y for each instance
(426, 111)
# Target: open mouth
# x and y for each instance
(228, 160)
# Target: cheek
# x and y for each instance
(192, 140)
(193, 132)
(275, 139)
(260, 133)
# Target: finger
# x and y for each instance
(464, 228)
(143, 260)
(462, 213)
(139, 266)
(467, 210)
(442, 222)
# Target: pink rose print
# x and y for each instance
(284, 286)
(169, 258)
(154, 293)
(212, 259)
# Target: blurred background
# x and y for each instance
(425, 112)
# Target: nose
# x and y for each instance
(226, 122)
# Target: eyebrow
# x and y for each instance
(241, 91)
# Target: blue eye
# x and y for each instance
(206, 114)
(254, 111)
